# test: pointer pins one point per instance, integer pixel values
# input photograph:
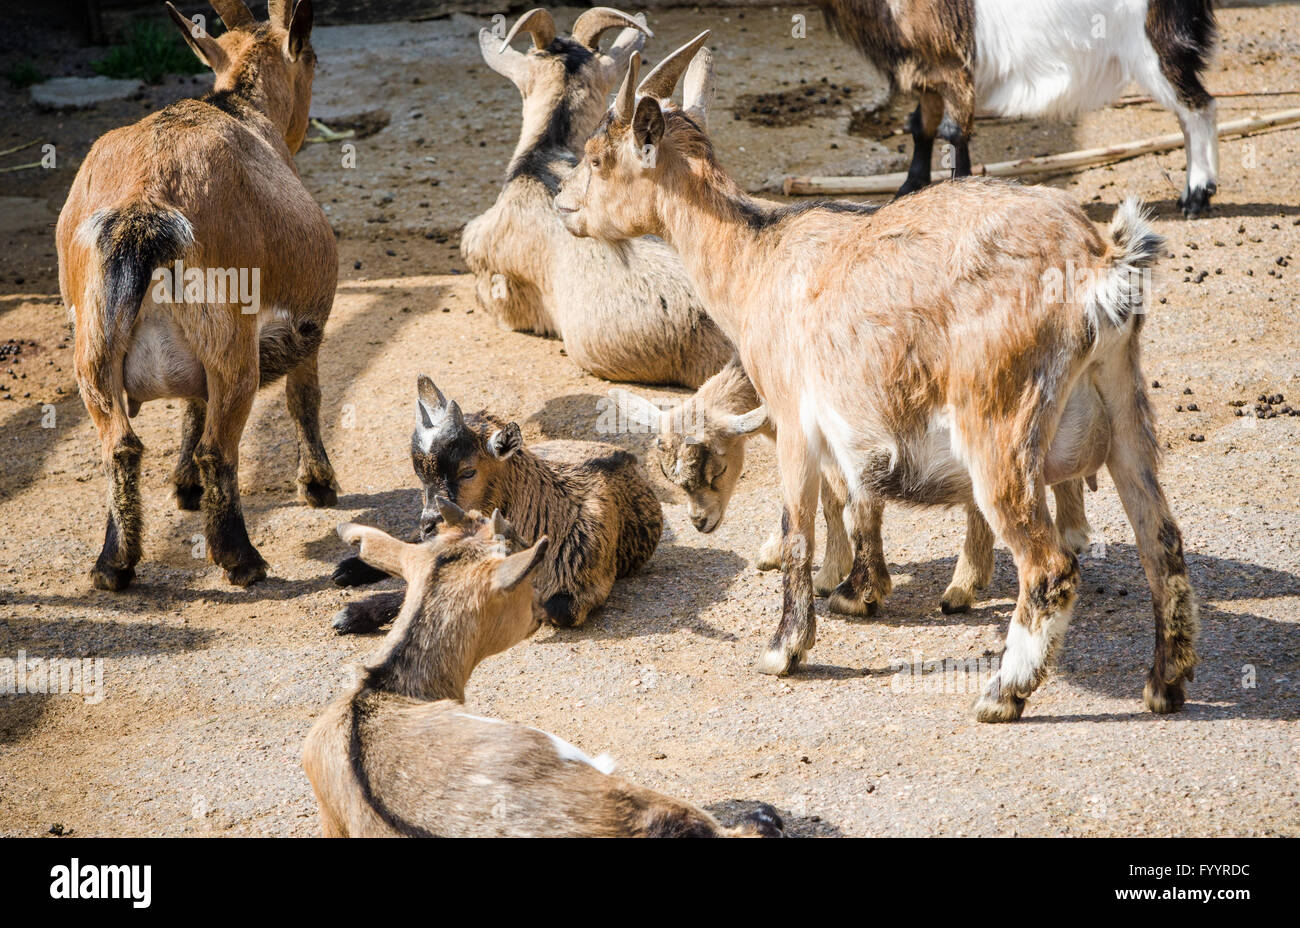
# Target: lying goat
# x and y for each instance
(700, 446)
(398, 755)
(625, 313)
(171, 223)
(1051, 58)
(594, 499)
(928, 350)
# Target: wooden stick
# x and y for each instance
(1143, 98)
(20, 167)
(10, 151)
(329, 135)
(1066, 161)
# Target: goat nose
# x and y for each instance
(429, 522)
(700, 521)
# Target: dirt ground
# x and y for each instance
(209, 690)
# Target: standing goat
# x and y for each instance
(625, 313)
(205, 191)
(1043, 58)
(397, 755)
(700, 446)
(929, 350)
(594, 499)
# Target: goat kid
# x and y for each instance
(398, 755)
(594, 499)
(931, 360)
(1052, 58)
(700, 448)
(626, 312)
(206, 184)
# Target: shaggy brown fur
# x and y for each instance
(928, 350)
(211, 183)
(594, 499)
(397, 755)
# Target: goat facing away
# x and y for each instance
(700, 448)
(933, 360)
(196, 265)
(625, 312)
(1047, 58)
(398, 755)
(594, 499)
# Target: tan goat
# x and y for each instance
(398, 755)
(594, 499)
(700, 446)
(196, 265)
(625, 313)
(930, 349)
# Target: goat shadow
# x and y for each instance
(1250, 663)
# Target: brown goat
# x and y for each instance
(398, 755)
(594, 499)
(929, 349)
(208, 185)
(625, 313)
(700, 447)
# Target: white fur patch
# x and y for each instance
(602, 762)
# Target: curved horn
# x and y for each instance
(540, 26)
(661, 82)
(233, 13)
(625, 103)
(450, 512)
(593, 22)
(279, 12)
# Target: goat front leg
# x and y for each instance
(974, 565)
(837, 559)
(769, 556)
(186, 482)
(798, 629)
(369, 614)
(230, 397)
(868, 582)
(317, 486)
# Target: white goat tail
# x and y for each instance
(1134, 246)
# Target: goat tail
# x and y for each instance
(1124, 283)
(129, 242)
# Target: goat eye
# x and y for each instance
(718, 475)
(468, 474)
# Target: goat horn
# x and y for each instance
(589, 27)
(279, 13)
(626, 100)
(450, 512)
(233, 13)
(540, 26)
(456, 418)
(662, 81)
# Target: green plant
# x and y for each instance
(23, 74)
(152, 51)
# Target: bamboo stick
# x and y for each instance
(1065, 161)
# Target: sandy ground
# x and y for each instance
(209, 690)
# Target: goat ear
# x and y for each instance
(499, 524)
(697, 87)
(637, 409)
(747, 424)
(377, 548)
(514, 569)
(647, 128)
(505, 442)
(451, 513)
(507, 62)
(204, 46)
(277, 13)
(299, 29)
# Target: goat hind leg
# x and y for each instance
(864, 590)
(187, 484)
(922, 124)
(837, 559)
(317, 486)
(974, 565)
(230, 397)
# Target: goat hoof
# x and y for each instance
(1163, 698)
(955, 600)
(1077, 539)
(114, 579)
(189, 496)
(998, 705)
(778, 661)
(845, 601)
(352, 571)
(243, 575)
(824, 586)
(354, 621)
(1196, 202)
(318, 495)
